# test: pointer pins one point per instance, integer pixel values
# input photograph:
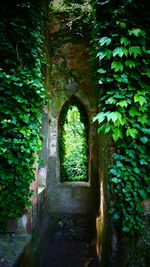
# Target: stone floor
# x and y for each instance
(12, 247)
(71, 243)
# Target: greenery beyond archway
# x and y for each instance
(73, 144)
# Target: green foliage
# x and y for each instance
(121, 41)
(73, 143)
(75, 160)
(22, 95)
(76, 13)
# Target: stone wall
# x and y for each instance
(67, 75)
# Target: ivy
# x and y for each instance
(121, 41)
(21, 98)
(76, 14)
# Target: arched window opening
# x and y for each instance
(73, 143)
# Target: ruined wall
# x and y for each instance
(67, 75)
(114, 247)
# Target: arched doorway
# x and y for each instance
(73, 141)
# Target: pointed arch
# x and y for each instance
(73, 141)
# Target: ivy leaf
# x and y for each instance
(122, 103)
(144, 139)
(146, 71)
(108, 53)
(132, 88)
(3, 150)
(125, 41)
(100, 117)
(124, 78)
(117, 77)
(103, 2)
(101, 55)
(119, 164)
(142, 193)
(115, 180)
(143, 118)
(117, 66)
(111, 100)
(102, 71)
(130, 63)
(133, 111)
(143, 162)
(108, 129)
(114, 116)
(100, 81)
(139, 98)
(137, 32)
(116, 216)
(121, 24)
(128, 185)
(147, 52)
(126, 229)
(117, 133)
(105, 41)
(132, 132)
(135, 50)
(102, 128)
(120, 51)
(108, 79)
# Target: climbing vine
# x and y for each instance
(121, 39)
(22, 96)
(121, 45)
(77, 14)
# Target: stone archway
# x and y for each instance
(74, 197)
(72, 206)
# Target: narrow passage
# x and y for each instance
(71, 243)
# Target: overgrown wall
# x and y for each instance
(68, 76)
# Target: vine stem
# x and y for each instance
(17, 51)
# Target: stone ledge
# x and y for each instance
(74, 184)
(12, 247)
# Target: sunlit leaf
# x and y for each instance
(137, 32)
(130, 63)
(114, 116)
(121, 24)
(125, 41)
(117, 66)
(122, 103)
(102, 71)
(139, 98)
(135, 50)
(120, 51)
(132, 132)
(100, 117)
(101, 55)
(115, 180)
(117, 133)
(105, 41)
